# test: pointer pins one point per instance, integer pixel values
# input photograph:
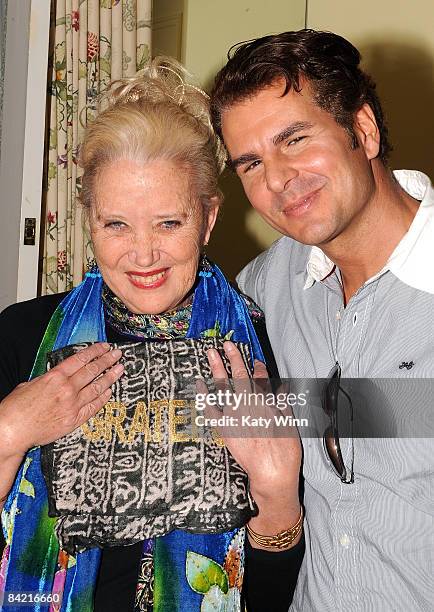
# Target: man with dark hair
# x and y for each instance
(348, 291)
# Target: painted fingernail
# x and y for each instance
(105, 345)
(118, 369)
(228, 346)
(116, 353)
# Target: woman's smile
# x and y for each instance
(149, 280)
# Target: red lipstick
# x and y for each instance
(134, 276)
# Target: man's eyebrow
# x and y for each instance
(289, 131)
(241, 160)
(292, 129)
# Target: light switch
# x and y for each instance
(30, 231)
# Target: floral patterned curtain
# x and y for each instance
(93, 43)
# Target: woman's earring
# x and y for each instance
(205, 268)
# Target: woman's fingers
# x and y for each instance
(73, 364)
(54, 404)
(90, 371)
(87, 389)
(260, 370)
(241, 378)
(91, 408)
(101, 387)
(216, 364)
(218, 371)
(270, 457)
(237, 364)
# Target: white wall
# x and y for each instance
(167, 16)
(210, 28)
(397, 44)
(22, 145)
(3, 13)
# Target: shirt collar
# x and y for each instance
(318, 267)
(409, 259)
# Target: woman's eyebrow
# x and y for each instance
(169, 215)
(292, 129)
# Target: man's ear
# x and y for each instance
(367, 132)
(210, 217)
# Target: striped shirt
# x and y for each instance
(370, 544)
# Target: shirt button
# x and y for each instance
(345, 541)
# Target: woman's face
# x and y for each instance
(147, 233)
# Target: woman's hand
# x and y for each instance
(54, 404)
(271, 460)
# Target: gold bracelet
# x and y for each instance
(283, 539)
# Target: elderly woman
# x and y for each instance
(150, 194)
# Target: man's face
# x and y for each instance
(297, 165)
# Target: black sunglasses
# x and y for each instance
(332, 447)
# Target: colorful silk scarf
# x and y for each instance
(190, 573)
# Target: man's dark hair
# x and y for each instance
(328, 62)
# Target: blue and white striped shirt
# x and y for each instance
(370, 544)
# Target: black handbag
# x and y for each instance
(142, 467)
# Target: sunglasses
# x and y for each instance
(330, 403)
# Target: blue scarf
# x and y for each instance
(190, 570)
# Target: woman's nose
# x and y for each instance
(144, 251)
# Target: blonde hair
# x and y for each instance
(155, 115)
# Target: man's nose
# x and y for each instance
(279, 173)
(144, 251)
